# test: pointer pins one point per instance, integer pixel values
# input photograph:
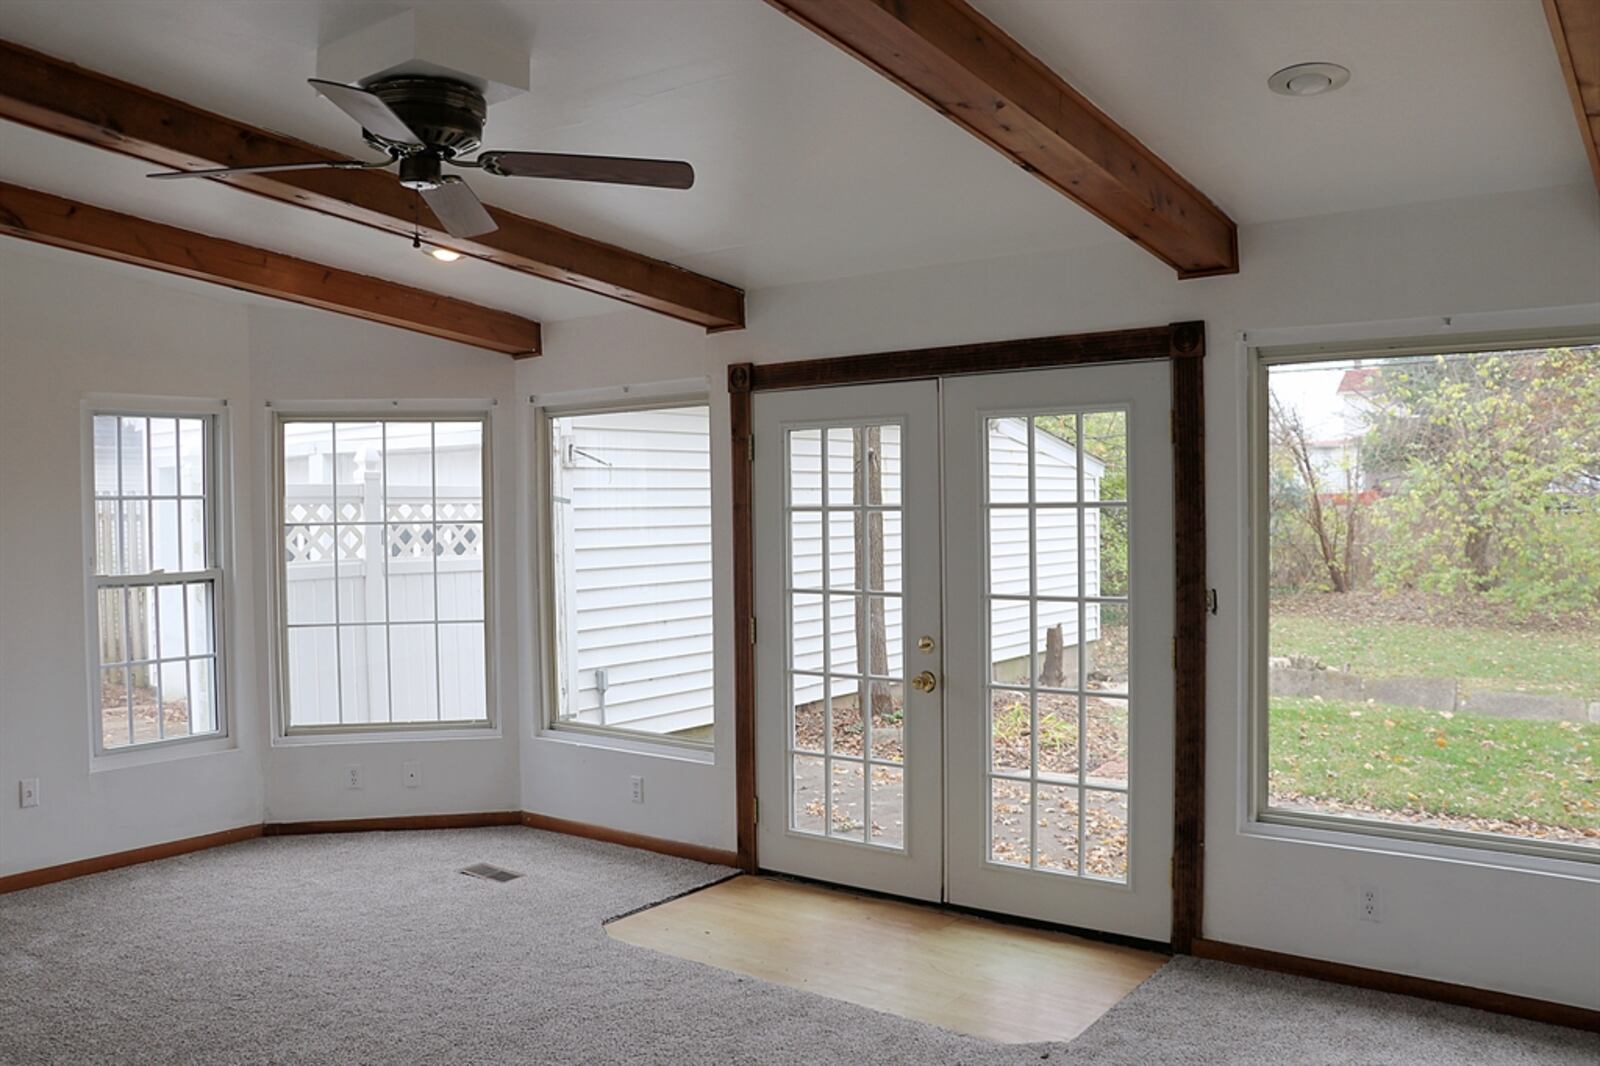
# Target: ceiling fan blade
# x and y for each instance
(367, 109)
(458, 208)
(267, 168)
(616, 170)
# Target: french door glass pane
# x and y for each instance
(807, 807)
(888, 719)
(843, 573)
(1058, 651)
(888, 806)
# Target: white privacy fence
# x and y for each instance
(383, 568)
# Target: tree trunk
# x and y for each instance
(872, 640)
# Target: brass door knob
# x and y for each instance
(925, 682)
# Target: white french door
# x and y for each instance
(1059, 677)
(848, 750)
(964, 592)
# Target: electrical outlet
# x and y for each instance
(411, 773)
(1367, 906)
(638, 788)
(352, 775)
(30, 792)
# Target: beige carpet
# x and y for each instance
(371, 948)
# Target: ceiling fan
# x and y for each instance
(423, 123)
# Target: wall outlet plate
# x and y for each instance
(29, 792)
(638, 788)
(1367, 905)
(353, 776)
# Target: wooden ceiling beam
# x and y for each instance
(1575, 25)
(968, 69)
(49, 94)
(39, 216)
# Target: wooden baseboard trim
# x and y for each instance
(472, 820)
(697, 852)
(132, 857)
(1538, 1010)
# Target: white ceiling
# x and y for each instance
(810, 165)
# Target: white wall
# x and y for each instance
(298, 356)
(70, 326)
(1535, 934)
(688, 794)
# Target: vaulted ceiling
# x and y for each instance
(810, 165)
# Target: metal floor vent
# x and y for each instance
(490, 872)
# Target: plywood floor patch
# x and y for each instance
(1002, 982)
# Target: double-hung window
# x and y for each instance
(383, 541)
(155, 578)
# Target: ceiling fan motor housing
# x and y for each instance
(447, 115)
(420, 172)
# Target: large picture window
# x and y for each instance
(1429, 595)
(628, 571)
(155, 577)
(384, 537)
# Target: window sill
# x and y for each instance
(1381, 841)
(387, 735)
(161, 752)
(583, 738)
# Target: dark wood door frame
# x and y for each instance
(1183, 344)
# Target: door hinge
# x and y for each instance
(1172, 424)
(755, 818)
(752, 629)
(750, 449)
(1211, 601)
(1174, 653)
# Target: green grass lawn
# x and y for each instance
(1553, 663)
(1466, 765)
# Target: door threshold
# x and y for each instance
(1159, 947)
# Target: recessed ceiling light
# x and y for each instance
(444, 255)
(1308, 79)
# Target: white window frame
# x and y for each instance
(218, 484)
(388, 411)
(1343, 830)
(552, 633)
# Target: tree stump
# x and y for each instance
(1054, 675)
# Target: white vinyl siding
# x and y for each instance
(631, 549)
(631, 534)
